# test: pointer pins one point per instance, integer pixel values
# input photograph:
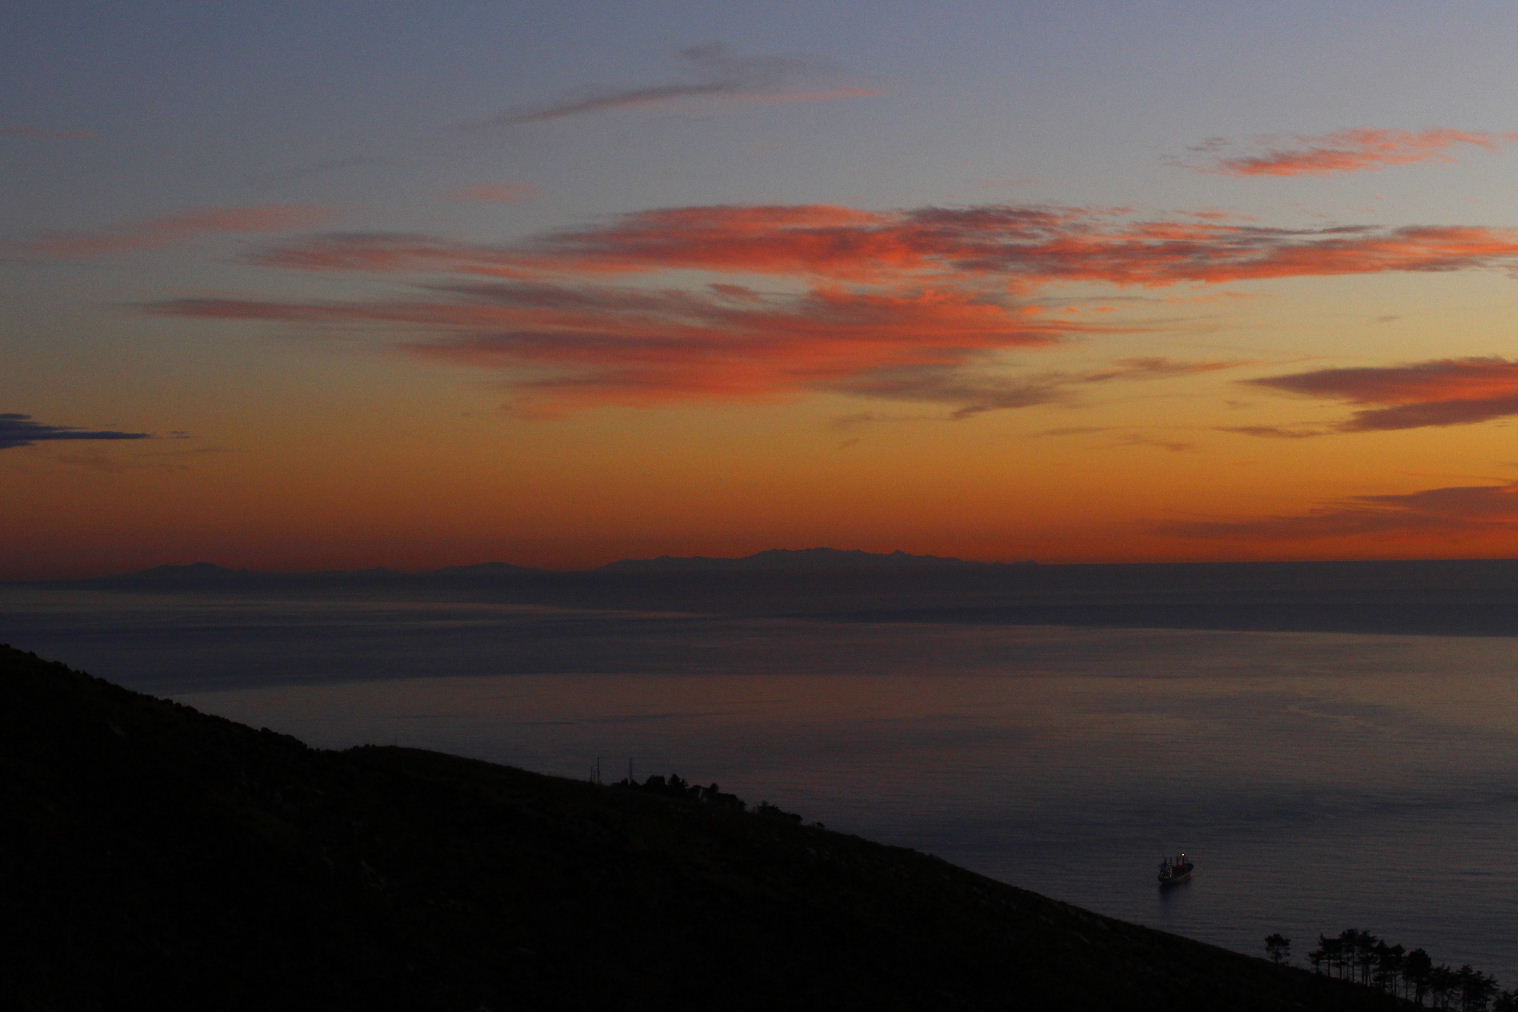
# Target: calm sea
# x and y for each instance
(1320, 781)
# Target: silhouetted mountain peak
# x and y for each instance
(483, 570)
(186, 572)
(798, 559)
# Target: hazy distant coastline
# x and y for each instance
(1467, 597)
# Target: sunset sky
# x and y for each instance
(348, 284)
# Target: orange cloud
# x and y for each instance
(1360, 150)
(1489, 508)
(997, 244)
(902, 304)
(565, 347)
(823, 240)
(155, 233)
(1437, 393)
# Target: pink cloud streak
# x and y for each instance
(1358, 150)
(156, 233)
(909, 305)
(1017, 246)
(563, 348)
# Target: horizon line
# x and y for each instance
(594, 568)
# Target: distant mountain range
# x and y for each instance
(1444, 597)
(775, 559)
(798, 560)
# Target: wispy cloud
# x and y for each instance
(1432, 413)
(910, 305)
(17, 430)
(155, 233)
(974, 391)
(495, 193)
(1274, 431)
(709, 74)
(1074, 430)
(967, 392)
(1436, 510)
(1415, 395)
(1156, 368)
(44, 133)
(1007, 245)
(1139, 439)
(308, 170)
(1359, 150)
(389, 252)
(562, 347)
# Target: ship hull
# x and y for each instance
(1177, 877)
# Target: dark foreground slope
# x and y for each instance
(154, 856)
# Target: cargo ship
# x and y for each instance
(1175, 870)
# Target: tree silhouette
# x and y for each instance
(1383, 972)
(1442, 984)
(1278, 948)
(1415, 971)
(1331, 951)
(1476, 988)
(1371, 962)
(1365, 954)
(1389, 962)
(1349, 951)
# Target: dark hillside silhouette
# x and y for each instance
(157, 857)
